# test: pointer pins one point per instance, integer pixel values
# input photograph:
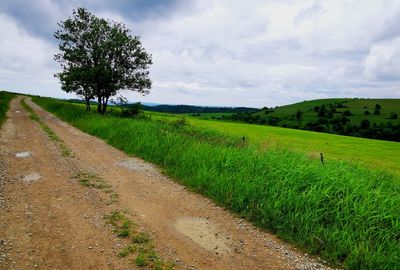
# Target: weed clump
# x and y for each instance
(141, 244)
(92, 180)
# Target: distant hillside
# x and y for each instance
(371, 118)
(198, 109)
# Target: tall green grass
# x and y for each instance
(346, 213)
(5, 99)
(372, 153)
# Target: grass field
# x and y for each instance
(373, 153)
(5, 98)
(344, 212)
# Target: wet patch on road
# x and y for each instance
(31, 177)
(23, 154)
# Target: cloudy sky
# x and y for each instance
(223, 52)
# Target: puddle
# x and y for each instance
(203, 233)
(31, 177)
(135, 165)
(23, 154)
(17, 111)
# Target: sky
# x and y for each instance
(223, 52)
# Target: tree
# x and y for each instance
(299, 115)
(377, 110)
(99, 58)
(347, 113)
(365, 124)
(322, 111)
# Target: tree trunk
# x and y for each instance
(105, 101)
(99, 104)
(88, 104)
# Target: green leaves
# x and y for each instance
(100, 57)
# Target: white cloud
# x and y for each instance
(277, 51)
(258, 53)
(26, 61)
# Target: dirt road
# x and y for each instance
(49, 221)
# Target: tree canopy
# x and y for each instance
(99, 58)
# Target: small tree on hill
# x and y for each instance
(365, 124)
(99, 58)
(393, 115)
(377, 110)
(347, 113)
(322, 111)
(299, 115)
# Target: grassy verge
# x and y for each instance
(5, 99)
(373, 153)
(65, 151)
(140, 243)
(346, 213)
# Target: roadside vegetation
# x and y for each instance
(377, 154)
(344, 212)
(5, 98)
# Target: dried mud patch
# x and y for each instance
(204, 233)
(31, 177)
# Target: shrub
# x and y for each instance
(347, 113)
(132, 110)
(393, 115)
(365, 124)
(180, 122)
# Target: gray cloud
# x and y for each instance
(383, 61)
(264, 53)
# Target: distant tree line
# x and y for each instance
(197, 109)
(343, 126)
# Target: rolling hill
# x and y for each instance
(370, 118)
(357, 108)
